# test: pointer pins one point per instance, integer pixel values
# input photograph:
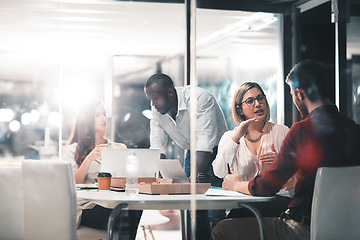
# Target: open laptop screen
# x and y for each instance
(171, 168)
(113, 160)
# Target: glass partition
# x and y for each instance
(29, 77)
(240, 47)
(353, 61)
(57, 55)
(77, 51)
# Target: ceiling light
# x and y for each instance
(26, 118)
(14, 126)
(35, 115)
(6, 115)
(266, 22)
(231, 29)
(127, 117)
(80, 19)
(54, 118)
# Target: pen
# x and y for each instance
(228, 167)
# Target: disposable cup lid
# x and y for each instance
(104, 174)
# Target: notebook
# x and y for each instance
(171, 168)
(113, 160)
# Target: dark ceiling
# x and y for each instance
(275, 6)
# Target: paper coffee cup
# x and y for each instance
(104, 180)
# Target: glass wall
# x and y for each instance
(242, 47)
(29, 76)
(353, 61)
(56, 56)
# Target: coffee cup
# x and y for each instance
(104, 180)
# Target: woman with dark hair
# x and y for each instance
(84, 148)
(87, 140)
(251, 146)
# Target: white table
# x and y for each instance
(120, 201)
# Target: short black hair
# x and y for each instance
(161, 79)
(310, 76)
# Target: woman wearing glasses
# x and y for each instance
(251, 146)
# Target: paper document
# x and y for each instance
(86, 186)
(220, 192)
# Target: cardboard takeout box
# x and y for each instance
(172, 188)
(151, 185)
(120, 182)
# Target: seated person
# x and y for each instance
(85, 145)
(252, 145)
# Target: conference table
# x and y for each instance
(119, 201)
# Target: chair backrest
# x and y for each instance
(49, 200)
(12, 202)
(335, 210)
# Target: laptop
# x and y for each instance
(113, 160)
(171, 168)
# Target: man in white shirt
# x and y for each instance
(171, 118)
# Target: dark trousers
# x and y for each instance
(127, 221)
(248, 229)
(205, 220)
(215, 181)
(267, 209)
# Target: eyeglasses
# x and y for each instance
(251, 101)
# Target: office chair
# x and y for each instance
(12, 202)
(335, 209)
(50, 202)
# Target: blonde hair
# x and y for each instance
(236, 108)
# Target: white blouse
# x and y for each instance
(239, 157)
(91, 176)
(94, 169)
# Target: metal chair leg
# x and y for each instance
(143, 228)
(113, 216)
(258, 216)
(151, 233)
